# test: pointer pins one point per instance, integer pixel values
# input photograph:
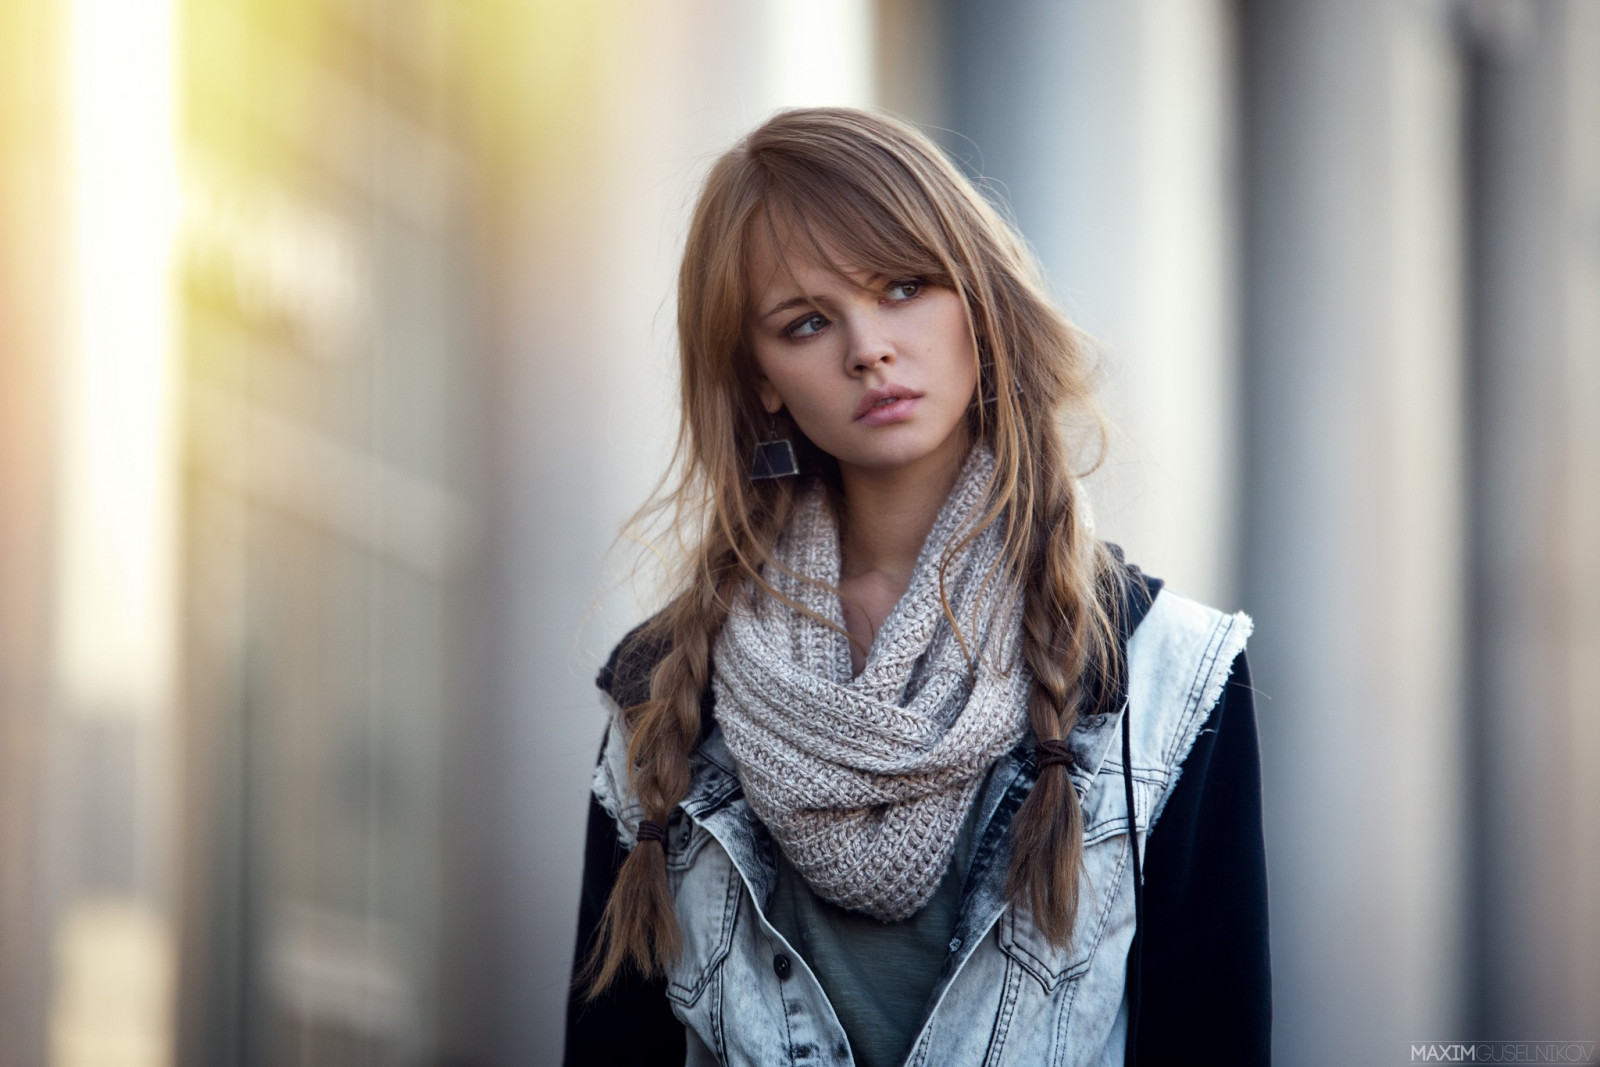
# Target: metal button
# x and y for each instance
(781, 967)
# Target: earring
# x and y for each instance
(774, 458)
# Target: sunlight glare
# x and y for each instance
(117, 513)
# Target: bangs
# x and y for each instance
(826, 218)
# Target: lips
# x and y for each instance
(890, 403)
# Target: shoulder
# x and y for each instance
(1176, 632)
(1180, 659)
(624, 682)
(1160, 623)
(1135, 591)
(625, 676)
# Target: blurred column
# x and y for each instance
(1107, 128)
(596, 127)
(1536, 509)
(88, 536)
(33, 319)
(1354, 535)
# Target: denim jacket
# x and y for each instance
(1006, 995)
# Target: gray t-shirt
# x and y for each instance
(877, 975)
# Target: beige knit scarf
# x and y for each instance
(865, 781)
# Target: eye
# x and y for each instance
(903, 290)
(809, 326)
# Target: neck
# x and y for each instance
(888, 513)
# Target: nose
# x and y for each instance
(869, 346)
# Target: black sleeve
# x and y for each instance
(1206, 990)
(631, 1023)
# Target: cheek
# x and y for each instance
(789, 385)
(966, 369)
(959, 365)
(803, 377)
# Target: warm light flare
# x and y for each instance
(111, 1004)
(117, 510)
(823, 52)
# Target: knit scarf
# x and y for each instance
(864, 781)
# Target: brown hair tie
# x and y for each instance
(649, 830)
(1052, 753)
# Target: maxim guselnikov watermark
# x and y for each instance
(1502, 1052)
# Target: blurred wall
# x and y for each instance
(1419, 531)
(1354, 530)
(1533, 535)
(1108, 130)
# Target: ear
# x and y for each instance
(770, 400)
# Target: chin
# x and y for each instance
(890, 456)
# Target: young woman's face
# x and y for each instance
(879, 378)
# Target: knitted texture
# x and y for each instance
(864, 781)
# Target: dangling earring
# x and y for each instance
(774, 458)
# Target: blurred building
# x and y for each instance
(331, 378)
(304, 579)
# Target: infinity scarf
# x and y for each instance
(865, 781)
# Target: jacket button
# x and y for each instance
(781, 967)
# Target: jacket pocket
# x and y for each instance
(706, 898)
(685, 839)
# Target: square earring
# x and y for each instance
(774, 458)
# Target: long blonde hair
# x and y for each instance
(886, 197)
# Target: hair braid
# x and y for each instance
(1067, 636)
(638, 927)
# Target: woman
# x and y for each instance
(865, 794)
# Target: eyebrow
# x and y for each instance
(792, 302)
(809, 301)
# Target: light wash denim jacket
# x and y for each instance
(1006, 995)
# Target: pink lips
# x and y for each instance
(890, 404)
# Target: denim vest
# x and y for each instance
(1006, 995)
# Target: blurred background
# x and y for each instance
(336, 342)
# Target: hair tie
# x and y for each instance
(649, 830)
(1054, 752)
